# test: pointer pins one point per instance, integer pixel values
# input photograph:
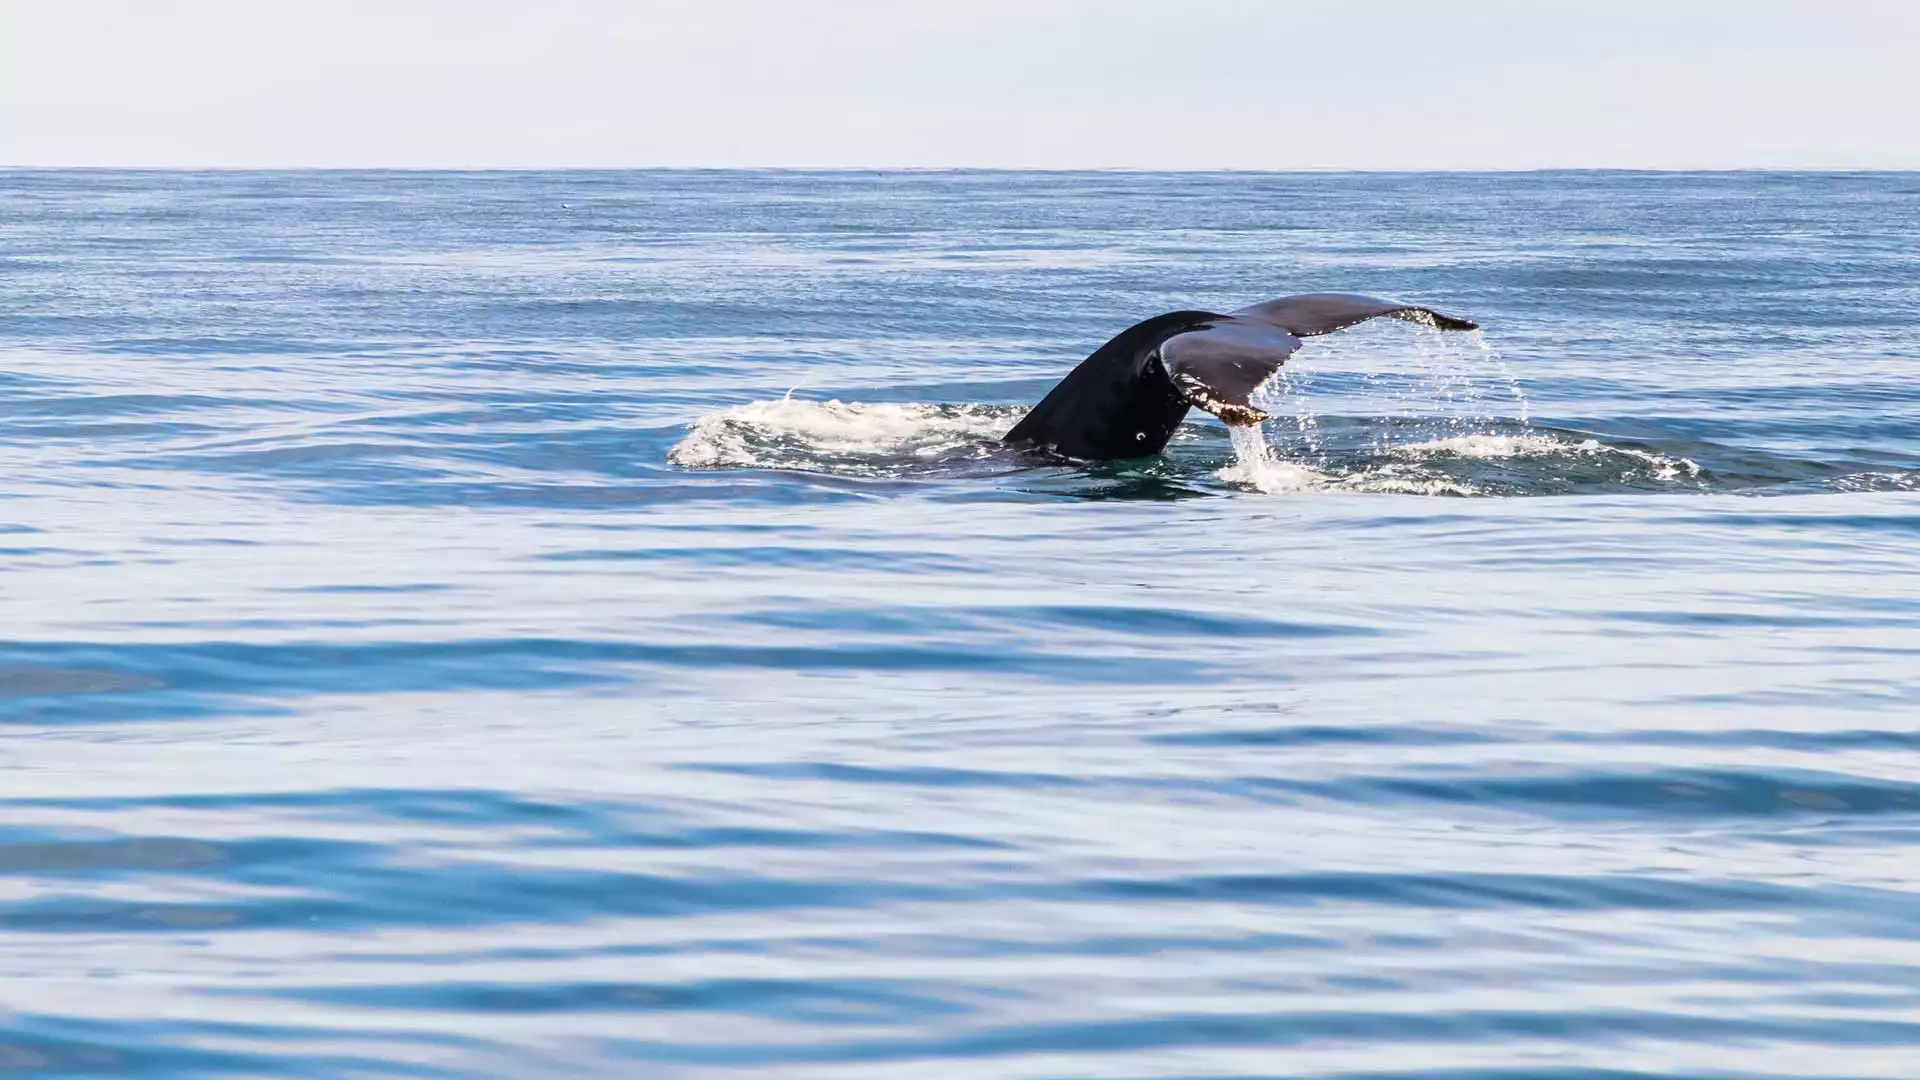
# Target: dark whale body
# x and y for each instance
(1128, 398)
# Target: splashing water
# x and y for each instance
(1284, 385)
(836, 436)
(1459, 378)
(1429, 383)
(1435, 384)
(1489, 357)
(1488, 446)
(1255, 466)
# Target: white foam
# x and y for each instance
(1537, 445)
(1402, 480)
(1490, 446)
(788, 433)
(1255, 466)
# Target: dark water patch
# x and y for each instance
(1809, 741)
(244, 860)
(1713, 621)
(1663, 795)
(157, 853)
(709, 558)
(568, 823)
(928, 947)
(1293, 1028)
(156, 681)
(124, 404)
(205, 541)
(39, 1043)
(32, 681)
(373, 894)
(477, 807)
(227, 626)
(1815, 521)
(166, 681)
(1147, 622)
(1531, 1073)
(1160, 622)
(107, 430)
(917, 776)
(816, 1001)
(398, 486)
(127, 1051)
(1891, 910)
(342, 462)
(354, 590)
(1325, 735)
(239, 344)
(1878, 695)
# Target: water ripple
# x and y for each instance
(450, 635)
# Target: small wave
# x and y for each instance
(1878, 481)
(1488, 446)
(1485, 447)
(1399, 480)
(836, 436)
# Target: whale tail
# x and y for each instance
(1120, 402)
(1128, 398)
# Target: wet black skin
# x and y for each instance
(1119, 403)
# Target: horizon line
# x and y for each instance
(1118, 169)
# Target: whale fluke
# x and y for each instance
(1312, 314)
(1127, 399)
(1218, 368)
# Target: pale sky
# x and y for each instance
(1180, 84)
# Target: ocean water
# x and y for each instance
(578, 624)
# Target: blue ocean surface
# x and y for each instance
(579, 624)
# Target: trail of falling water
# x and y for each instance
(1304, 420)
(1455, 367)
(1451, 391)
(1428, 387)
(1255, 466)
(1490, 356)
